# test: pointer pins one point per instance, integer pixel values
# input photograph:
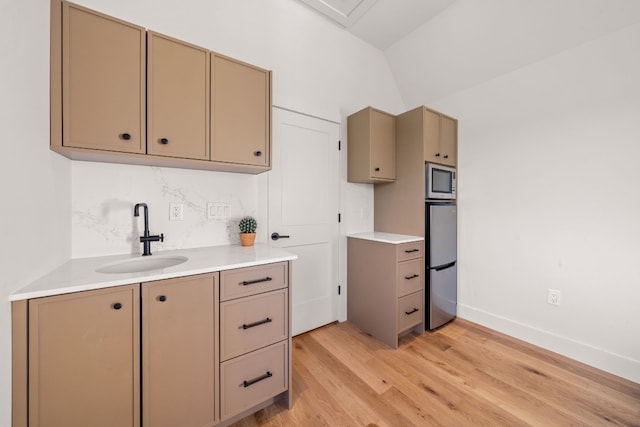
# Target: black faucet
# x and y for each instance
(146, 239)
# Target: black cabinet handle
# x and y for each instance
(276, 236)
(437, 154)
(377, 169)
(253, 282)
(117, 306)
(162, 298)
(411, 250)
(413, 276)
(410, 312)
(125, 136)
(254, 324)
(257, 380)
(446, 156)
(164, 141)
(257, 153)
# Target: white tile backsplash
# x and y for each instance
(103, 197)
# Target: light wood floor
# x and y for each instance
(460, 375)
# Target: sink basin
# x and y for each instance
(136, 265)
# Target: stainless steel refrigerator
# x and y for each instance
(441, 263)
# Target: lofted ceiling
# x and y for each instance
(380, 23)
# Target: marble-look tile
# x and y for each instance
(103, 197)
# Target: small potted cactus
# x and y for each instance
(248, 226)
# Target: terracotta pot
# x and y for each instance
(247, 239)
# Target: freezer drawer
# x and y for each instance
(442, 296)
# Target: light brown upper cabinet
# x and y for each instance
(177, 98)
(84, 359)
(122, 94)
(371, 146)
(240, 112)
(440, 138)
(103, 76)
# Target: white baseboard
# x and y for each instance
(598, 358)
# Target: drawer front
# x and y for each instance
(247, 324)
(410, 311)
(408, 251)
(410, 277)
(248, 380)
(247, 281)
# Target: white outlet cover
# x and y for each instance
(176, 211)
(553, 296)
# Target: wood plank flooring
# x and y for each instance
(460, 375)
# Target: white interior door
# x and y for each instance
(303, 205)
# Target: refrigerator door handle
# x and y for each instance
(444, 266)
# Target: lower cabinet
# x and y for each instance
(385, 287)
(84, 359)
(163, 353)
(178, 352)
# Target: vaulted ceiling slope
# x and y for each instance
(436, 48)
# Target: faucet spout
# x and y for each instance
(146, 238)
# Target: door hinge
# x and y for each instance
(339, 289)
(339, 145)
(339, 217)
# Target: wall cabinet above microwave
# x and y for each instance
(122, 94)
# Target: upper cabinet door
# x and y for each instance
(177, 98)
(383, 145)
(448, 140)
(103, 82)
(240, 112)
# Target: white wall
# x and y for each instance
(34, 182)
(548, 161)
(318, 69)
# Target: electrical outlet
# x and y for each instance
(553, 297)
(176, 211)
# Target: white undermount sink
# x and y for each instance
(146, 263)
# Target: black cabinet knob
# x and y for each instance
(162, 298)
(437, 154)
(117, 306)
(258, 153)
(377, 169)
(164, 141)
(125, 136)
(446, 156)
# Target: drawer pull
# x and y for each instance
(258, 323)
(257, 380)
(410, 312)
(253, 282)
(413, 276)
(412, 250)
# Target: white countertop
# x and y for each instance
(392, 238)
(80, 274)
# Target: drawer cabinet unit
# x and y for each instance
(371, 146)
(385, 284)
(255, 339)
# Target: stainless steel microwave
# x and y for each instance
(440, 182)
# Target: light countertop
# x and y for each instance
(80, 274)
(392, 238)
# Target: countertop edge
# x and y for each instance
(51, 284)
(383, 237)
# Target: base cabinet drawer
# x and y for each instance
(409, 277)
(410, 311)
(250, 379)
(243, 282)
(250, 323)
